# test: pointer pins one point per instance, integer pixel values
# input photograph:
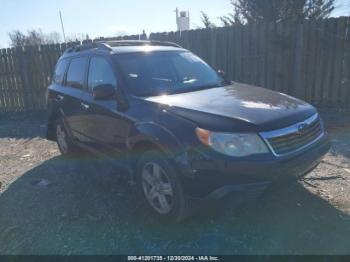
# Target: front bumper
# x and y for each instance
(211, 176)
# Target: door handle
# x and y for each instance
(85, 106)
(60, 98)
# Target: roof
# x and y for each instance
(119, 47)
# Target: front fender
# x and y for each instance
(156, 134)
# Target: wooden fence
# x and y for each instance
(25, 74)
(309, 60)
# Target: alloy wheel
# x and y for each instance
(157, 187)
(61, 138)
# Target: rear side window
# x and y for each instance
(59, 71)
(100, 72)
(76, 72)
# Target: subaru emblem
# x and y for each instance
(302, 127)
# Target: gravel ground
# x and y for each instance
(51, 205)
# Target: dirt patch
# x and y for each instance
(331, 180)
(51, 205)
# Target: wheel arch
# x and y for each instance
(150, 136)
(154, 135)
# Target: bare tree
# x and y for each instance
(53, 38)
(17, 38)
(32, 38)
(79, 37)
(35, 37)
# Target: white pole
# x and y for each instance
(64, 35)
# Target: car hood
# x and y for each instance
(237, 107)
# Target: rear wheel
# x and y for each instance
(160, 187)
(65, 146)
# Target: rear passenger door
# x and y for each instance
(73, 90)
(105, 127)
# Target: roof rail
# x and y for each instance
(137, 43)
(93, 45)
(107, 45)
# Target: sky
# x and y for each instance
(110, 17)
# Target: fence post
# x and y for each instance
(213, 47)
(299, 92)
(25, 77)
(346, 65)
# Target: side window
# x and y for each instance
(100, 72)
(76, 72)
(60, 69)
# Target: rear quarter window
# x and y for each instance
(60, 69)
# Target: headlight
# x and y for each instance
(232, 144)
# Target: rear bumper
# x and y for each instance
(216, 177)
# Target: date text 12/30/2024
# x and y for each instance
(173, 258)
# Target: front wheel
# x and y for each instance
(160, 186)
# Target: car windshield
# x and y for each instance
(158, 73)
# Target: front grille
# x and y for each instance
(293, 138)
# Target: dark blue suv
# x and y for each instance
(183, 130)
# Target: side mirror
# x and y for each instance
(221, 73)
(103, 92)
(224, 76)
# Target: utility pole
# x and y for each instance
(177, 17)
(64, 35)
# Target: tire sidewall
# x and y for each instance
(177, 211)
(69, 151)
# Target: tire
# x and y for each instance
(64, 143)
(166, 187)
